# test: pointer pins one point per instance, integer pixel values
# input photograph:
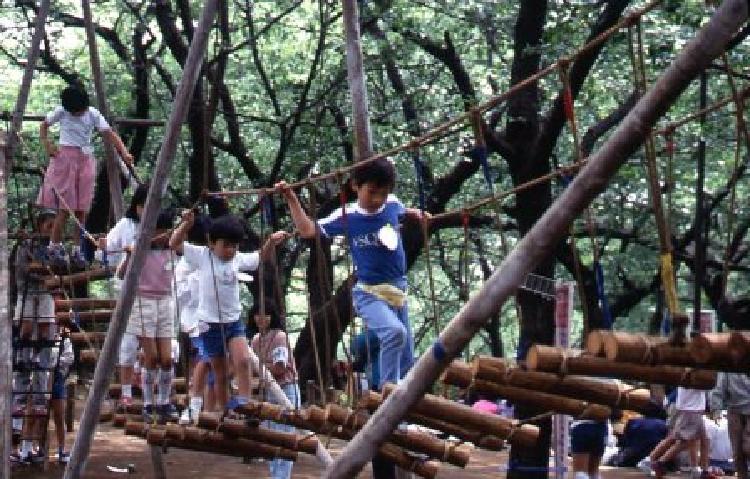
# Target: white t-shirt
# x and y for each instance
(122, 234)
(187, 296)
(226, 289)
(690, 400)
(718, 437)
(76, 130)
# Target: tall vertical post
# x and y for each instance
(700, 250)
(355, 75)
(542, 238)
(564, 299)
(6, 366)
(106, 365)
(111, 159)
(23, 92)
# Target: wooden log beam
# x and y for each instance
(416, 441)
(100, 316)
(609, 393)
(711, 348)
(112, 161)
(235, 428)
(710, 41)
(638, 348)
(5, 116)
(105, 368)
(17, 117)
(465, 417)
(84, 338)
(739, 346)
(84, 304)
(70, 280)
(317, 416)
(6, 330)
(560, 361)
(115, 389)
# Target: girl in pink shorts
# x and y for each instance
(72, 169)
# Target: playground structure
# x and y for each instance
(555, 380)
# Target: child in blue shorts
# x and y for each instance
(372, 227)
(219, 267)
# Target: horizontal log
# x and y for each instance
(582, 388)
(560, 361)
(83, 304)
(417, 441)
(711, 349)
(739, 346)
(84, 338)
(136, 408)
(463, 416)
(646, 350)
(318, 418)
(88, 356)
(198, 439)
(76, 278)
(234, 428)
(97, 315)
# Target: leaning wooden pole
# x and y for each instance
(28, 75)
(106, 365)
(112, 161)
(545, 235)
(6, 364)
(357, 81)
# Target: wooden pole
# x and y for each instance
(6, 334)
(355, 75)
(28, 75)
(112, 160)
(698, 223)
(709, 43)
(739, 346)
(117, 325)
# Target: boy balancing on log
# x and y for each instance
(219, 265)
(371, 225)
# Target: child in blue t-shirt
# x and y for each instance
(371, 226)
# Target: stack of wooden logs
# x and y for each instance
(578, 396)
(414, 450)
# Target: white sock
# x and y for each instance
(581, 475)
(127, 390)
(26, 447)
(148, 378)
(196, 406)
(164, 387)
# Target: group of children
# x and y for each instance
(200, 265)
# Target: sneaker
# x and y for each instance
(63, 457)
(39, 457)
(148, 414)
(185, 418)
(20, 458)
(167, 413)
(645, 466)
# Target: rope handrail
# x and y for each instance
(467, 116)
(670, 127)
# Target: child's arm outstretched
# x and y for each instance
(179, 234)
(304, 224)
(114, 139)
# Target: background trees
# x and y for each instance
(272, 103)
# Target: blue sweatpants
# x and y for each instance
(391, 325)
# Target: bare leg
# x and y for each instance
(238, 349)
(58, 227)
(220, 389)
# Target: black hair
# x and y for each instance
(217, 206)
(271, 311)
(74, 99)
(139, 199)
(165, 220)
(380, 173)
(44, 215)
(197, 233)
(228, 228)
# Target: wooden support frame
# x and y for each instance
(112, 160)
(709, 43)
(6, 334)
(105, 367)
